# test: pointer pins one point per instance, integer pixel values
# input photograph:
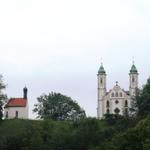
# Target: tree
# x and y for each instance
(140, 105)
(2, 97)
(133, 110)
(56, 106)
(144, 100)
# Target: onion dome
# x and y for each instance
(133, 69)
(101, 70)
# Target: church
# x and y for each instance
(17, 107)
(117, 100)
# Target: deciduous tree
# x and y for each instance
(56, 106)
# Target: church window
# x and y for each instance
(101, 81)
(16, 116)
(116, 101)
(107, 111)
(107, 104)
(112, 95)
(120, 94)
(117, 110)
(116, 94)
(133, 80)
(6, 114)
(126, 103)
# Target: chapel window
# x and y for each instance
(6, 114)
(16, 115)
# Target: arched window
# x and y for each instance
(101, 81)
(112, 95)
(107, 104)
(117, 110)
(107, 111)
(6, 114)
(133, 79)
(116, 94)
(126, 103)
(120, 94)
(16, 115)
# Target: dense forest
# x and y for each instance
(131, 132)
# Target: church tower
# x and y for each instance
(133, 79)
(25, 92)
(101, 76)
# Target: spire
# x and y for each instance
(133, 60)
(133, 68)
(101, 69)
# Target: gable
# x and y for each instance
(117, 92)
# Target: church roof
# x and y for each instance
(101, 70)
(16, 102)
(133, 69)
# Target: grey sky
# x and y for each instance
(57, 46)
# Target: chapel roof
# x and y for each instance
(16, 102)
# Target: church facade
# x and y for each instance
(117, 100)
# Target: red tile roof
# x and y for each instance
(16, 102)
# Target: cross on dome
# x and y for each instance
(101, 61)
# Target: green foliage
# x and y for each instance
(146, 145)
(133, 111)
(140, 106)
(144, 100)
(136, 138)
(56, 106)
(87, 133)
(84, 134)
(2, 97)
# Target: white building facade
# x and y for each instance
(117, 100)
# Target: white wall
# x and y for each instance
(22, 112)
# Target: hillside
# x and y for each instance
(88, 134)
